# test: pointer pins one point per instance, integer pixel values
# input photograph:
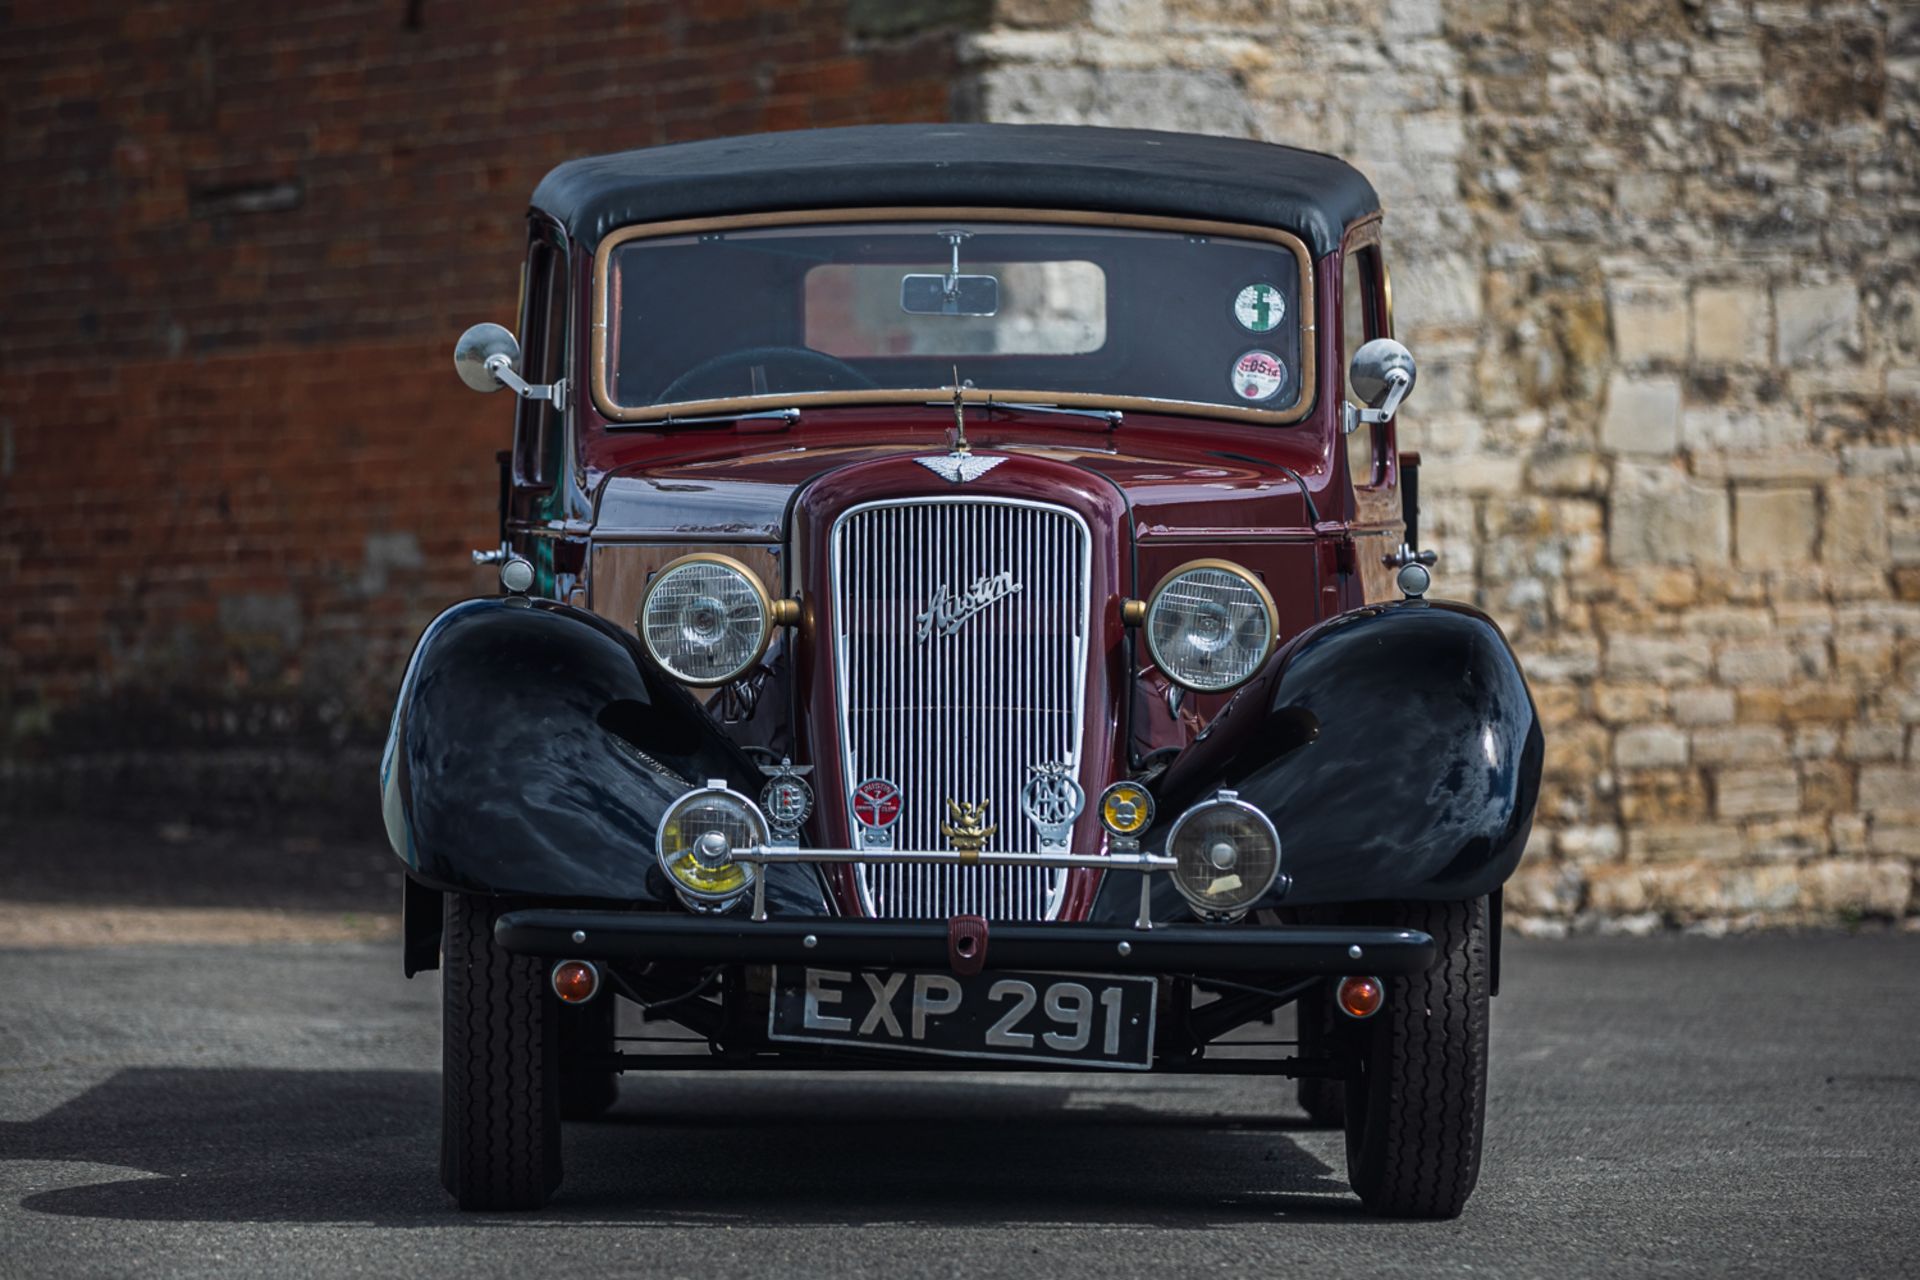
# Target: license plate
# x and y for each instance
(1075, 1019)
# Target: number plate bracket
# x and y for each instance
(967, 944)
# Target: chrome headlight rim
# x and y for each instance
(696, 899)
(1223, 800)
(736, 566)
(1224, 566)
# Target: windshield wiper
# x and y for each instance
(1112, 417)
(788, 415)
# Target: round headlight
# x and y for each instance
(1210, 625)
(1229, 854)
(697, 838)
(705, 618)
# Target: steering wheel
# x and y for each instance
(786, 369)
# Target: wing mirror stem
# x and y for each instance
(502, 370)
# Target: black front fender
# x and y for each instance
(1398, 755)
(534, 750)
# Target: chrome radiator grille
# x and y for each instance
(962, 714)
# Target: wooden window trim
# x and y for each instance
(603, 400)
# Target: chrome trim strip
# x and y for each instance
(971, 669)
(764, 855)
(773, 854)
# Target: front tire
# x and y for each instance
(1417, 1108)
(500, 1112)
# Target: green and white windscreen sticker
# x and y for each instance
(1259, 307)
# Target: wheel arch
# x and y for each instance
(533, 751)
(1398, 754)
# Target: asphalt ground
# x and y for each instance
(1658, 1106)
(60, 862)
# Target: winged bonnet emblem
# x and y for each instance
(960, 467)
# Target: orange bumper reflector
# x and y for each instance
(1360, 997)
(575, 981)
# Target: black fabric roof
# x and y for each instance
(1020, 166)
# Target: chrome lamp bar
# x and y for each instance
(771, 855)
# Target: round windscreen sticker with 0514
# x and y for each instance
(1258, 375)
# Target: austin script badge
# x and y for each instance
(949, 610)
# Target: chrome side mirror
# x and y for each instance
(487, 358)
(1382, 373)
(475, 353)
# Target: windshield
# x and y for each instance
(887, 311)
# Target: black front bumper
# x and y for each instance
(923, 944)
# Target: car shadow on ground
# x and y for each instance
(209, 1145)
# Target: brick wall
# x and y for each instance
(237, 474)
(1657, 260)
(1658, 263)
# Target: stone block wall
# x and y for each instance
(1658, 260)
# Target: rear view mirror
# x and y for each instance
(1382, 373)
(1380, 368)
(949, 295)
(487, 358)
(481, 352)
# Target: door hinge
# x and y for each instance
(1346, 560)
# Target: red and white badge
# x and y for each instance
(876, 803)
(1258, 375)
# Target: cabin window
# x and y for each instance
(543, 360)
(854, 310)
(885, 311)
(1363, 318)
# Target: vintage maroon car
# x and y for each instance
(961, 607)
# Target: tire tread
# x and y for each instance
(1417, 1115)
(500, 1140)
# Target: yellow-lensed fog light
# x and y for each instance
(698, 835)
(1126, 809)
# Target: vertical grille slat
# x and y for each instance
(960, 716)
